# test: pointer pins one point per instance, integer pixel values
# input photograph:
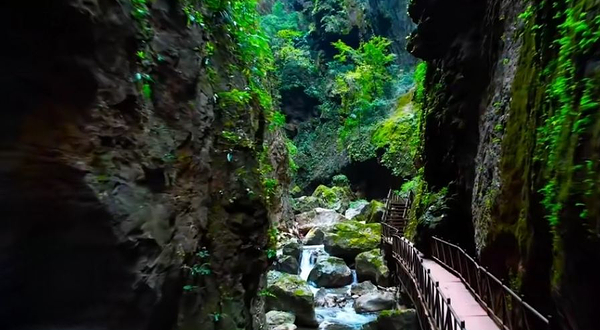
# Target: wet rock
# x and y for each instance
(371, 213)
(278, 318)
(330, 272)
(291, 294)
(286, 326)
(315, 236)
(362, 288)
(405, 319)
(349, 238)
(287, 264)
(332, 298)
(355, 208)
(335, 198)
(305, 204)
(293, 249)
(370, 266)
(319, 217)
(374, 302)
(335, 326)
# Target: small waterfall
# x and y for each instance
(344, 315)
(307, 261)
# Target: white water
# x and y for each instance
(344, 315)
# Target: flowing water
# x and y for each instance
(339, 315)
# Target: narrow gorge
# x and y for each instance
(296, 164)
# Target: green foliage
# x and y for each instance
(292, 152)
(192, 14)
(277, 120)
(266, 293)
(190, 288)
(234, 97)
(340, 180)
(140, 10)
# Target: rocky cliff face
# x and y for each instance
(511, 129)
(125, 206)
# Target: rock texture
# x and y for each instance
(374, 302)
(330, 272)
(292, 294)
(115, 175)
(370, 266)
(319, 217)
(349, 238)
(512, 134)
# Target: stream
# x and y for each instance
(338, 315)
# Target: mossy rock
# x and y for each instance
(330, 272)
(397, 319)
(315, 236)
(340, 180)
(291, 294)
(355, 208)
(370, 266)
(371, 213)
(335, 198)
(304, 204)
(349, 238)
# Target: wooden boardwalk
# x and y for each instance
(449, 289)
(465, 305)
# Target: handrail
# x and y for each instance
(504, 306)
(434, 309)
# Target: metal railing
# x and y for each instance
(433, 308)
(504, 306)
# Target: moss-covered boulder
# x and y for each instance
(370, 266)
(349, 238)
(362, 288)
(371, 213)
(319, 217)
(330, 272)
(335, 198)
(289, 293)
(304, 204)
(396, 319)
(340, 180)
(315, 236)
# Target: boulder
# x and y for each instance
(328, 325)
(314, 236)
(374, 302)
(371, 213)
(331, 298)
(319, 217)
(304, 204)
(405, 319)
(340, 180)
(286, 326)
(336, 198)
(287, 264)
(370, 266)
(291, 294)
(292, 248)
(275, 318)
(362, 288)
(355, 208)
(349, 238)
(330, 272)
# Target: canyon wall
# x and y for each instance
(510, 126)
(124, 203)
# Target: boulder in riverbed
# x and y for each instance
(314, 236)
(328, 325)
(319, 217)
(292, 248)
(362, 288)
(332, 298)
(291, 294)
(349, 238)
(287, 264)
(370, 266)
(398, 319)
(305, 204)
(355, 208)
(371, 213)
(330, 272)
(336, 198)
(375, 302)
(276, 318)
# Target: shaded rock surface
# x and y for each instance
(332, 298)
(292, 248)
(374, 302)
(330, 272)
(371, 213)
(370, 266)
(362, 288)
(287, 264)
(315, 236)
(403, 319)
(355, 208)
(276, 318)
(292, 294)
